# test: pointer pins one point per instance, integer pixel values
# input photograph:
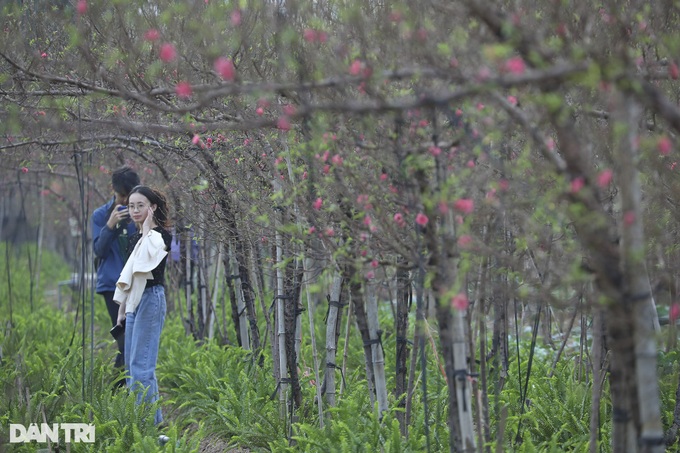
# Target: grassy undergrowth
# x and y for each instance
(212, 392)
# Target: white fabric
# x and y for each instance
(146, 256)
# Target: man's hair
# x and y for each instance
(124, 179)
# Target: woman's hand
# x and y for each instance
(149, 222)
(121, 314)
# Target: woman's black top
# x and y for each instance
(159, 272)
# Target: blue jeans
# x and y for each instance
(142, 338)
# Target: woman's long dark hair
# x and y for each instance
(161, 214)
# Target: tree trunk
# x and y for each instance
(332, 325)
(247, 292)
(419, 346)
(240, 252)
(201, 305)
(315, 356)
(599, 372)
(215, 294)
(230, 265)
(359, 309)
(345, 348)
(499, 338)
(190, 323)
(481, 385)
(462, 385)
(403, 294)
(621, 378)
(377, 353)
(452, 339)
(241, 316)
(292, 289)
(651, 438)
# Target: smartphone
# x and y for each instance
(117, 330)
(126, 220)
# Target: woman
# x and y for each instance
(140, 291)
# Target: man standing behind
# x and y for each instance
(111, 228)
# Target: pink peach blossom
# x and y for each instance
(225, 68)
(309, 35)
(605, 177)
(460, 301)
(664, 145)
(515, 65)
(152, 34)
(167, 52)
(464, 205)
(628, 218)
(183, 90)
(81, 7)
(465, 240)
(283, 123)
(421, 219)
(435, 150)
(674, 312)
(673, 71)
(289, 109)
(577, 184)
(356, 67)
(236, 17)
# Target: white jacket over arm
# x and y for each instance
(146, 256)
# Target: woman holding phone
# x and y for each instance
(140, 291)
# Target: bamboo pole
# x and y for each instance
(41, 234)
(297, 305)
(188, 282)
(310, 312)
(280, 323)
